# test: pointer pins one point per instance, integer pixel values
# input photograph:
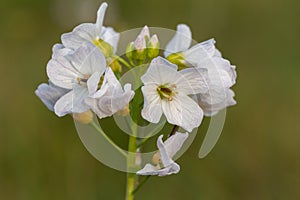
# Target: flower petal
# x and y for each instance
(61, 72)
(160, 71)
(181, 40)
(200, 52)
(93, 82)
(72, 102)
(152, 104)
(88, 59)
(174, 143)
(110, 36)
(86, 32)
(193, 81)
(100, 15)
(183, 111)
(49, 94)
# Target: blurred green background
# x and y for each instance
(258, 154)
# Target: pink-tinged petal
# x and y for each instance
(183, 111)
(152, 111)
(181, 40)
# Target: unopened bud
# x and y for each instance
(177, 59)
(84, 118)
(153, 47)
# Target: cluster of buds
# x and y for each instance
(144, 48)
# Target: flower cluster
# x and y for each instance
(182, 83)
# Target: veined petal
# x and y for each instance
(61, 72)
(80, 34)
(200, 52)
(183, 111)
(181, 40)
(193, 81)
(93, 82)
(110, 36)
(160, 71)
(88, 59)
(152, 104)
(100, 15)
(174, 143)
(49, 94)
(165, 158)
(72, 102)
(149, 169)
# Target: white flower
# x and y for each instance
(221, 73)
(92, 32)
(111, 97)
(50, 93)
(166, 91)
(167, 150)
(79, 72)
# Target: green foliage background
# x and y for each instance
(257, 156)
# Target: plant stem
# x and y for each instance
(121, 60)
(107, 138)
(130, 164)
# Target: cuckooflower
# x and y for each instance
(103, 37)
(111, 98)
(78, 72)
(221, 73)
(164, 157)
(166, 92)
(50, 93)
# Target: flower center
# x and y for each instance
(167, 91)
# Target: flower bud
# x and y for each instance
(153, 47)
(84, 118)
(177, 59)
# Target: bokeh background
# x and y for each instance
(258, 154)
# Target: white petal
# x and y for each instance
(100, 15)
(72, 102)
(88, 59)
(152, 104)
(160, 71)
(165, 158)
(200, 52)
(61, 72)
(181, 40)
(110, 36)
(86, 32)
(93, 82)
(174, 143)
(148, 170)
(193, 81)
(111, 97)
(183, 111)
(49, 94)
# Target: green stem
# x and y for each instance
(121, 60)
(107, 138)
